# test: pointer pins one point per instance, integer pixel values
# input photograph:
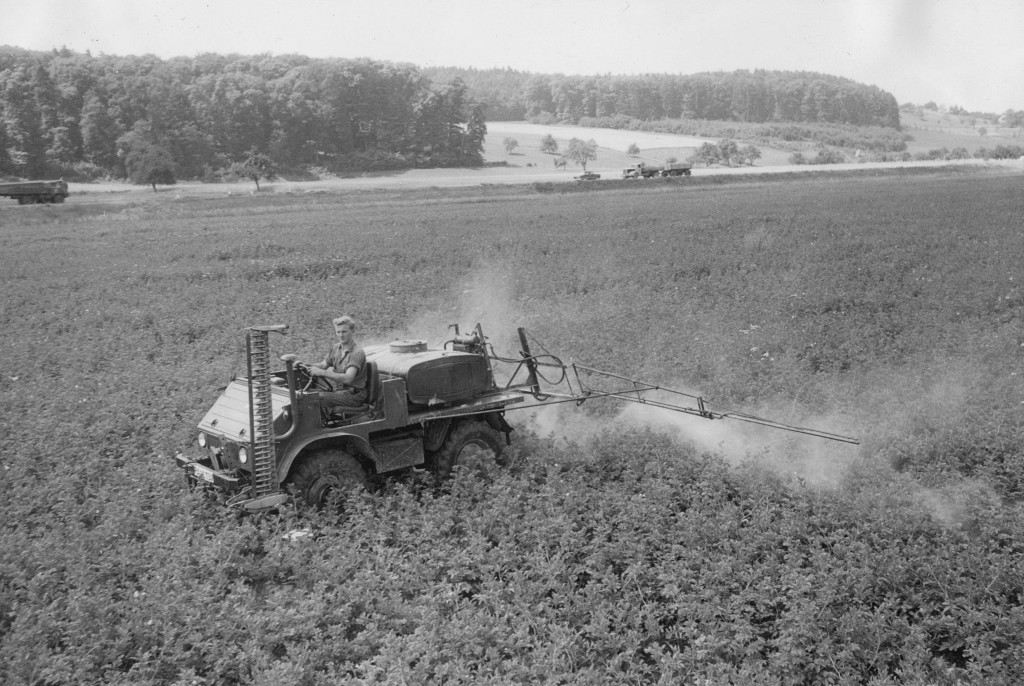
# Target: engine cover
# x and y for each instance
(432, 377)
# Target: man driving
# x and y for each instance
(343, 370)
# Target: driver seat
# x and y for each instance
(372, 405)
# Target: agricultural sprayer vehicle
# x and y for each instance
(264, 441)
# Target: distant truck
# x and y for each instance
(647, 171)
(31, 192)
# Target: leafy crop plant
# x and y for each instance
(890, 304)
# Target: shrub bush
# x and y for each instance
(829, 156)
(1007, 152)
(871, 138)
(82, 172)
(375, 160)
(545, 118)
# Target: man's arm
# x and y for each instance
(356, 361)
(347, 375)
(346, 378)
(320, 368)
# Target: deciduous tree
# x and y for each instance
(728, 151)
(548, 144)
(99, 131)
(145, 162)
(707, 154)
(255, 166)
(24, 124)
(476, 131)
(749, 154)
(6, 165)
(581, 152)
(449, 127)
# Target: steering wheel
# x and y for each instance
(303, 376)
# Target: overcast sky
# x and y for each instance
(955, 52)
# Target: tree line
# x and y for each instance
(743, 96)
(85, 116)
(79, 114)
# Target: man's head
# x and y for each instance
(344, 327)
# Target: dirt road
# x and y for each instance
(609, 164)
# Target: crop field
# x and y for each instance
(623, 545)
(611, 146)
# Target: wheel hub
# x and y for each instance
(475, 455)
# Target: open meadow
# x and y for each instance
(622, 546)
(930, 129)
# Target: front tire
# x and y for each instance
(471, 444)
(325, 477)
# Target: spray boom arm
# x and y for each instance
(579, 384)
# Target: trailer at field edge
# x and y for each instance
(677, 169)
(643, 170)
(32, 192)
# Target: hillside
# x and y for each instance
(923, 139)
(930, 129)
(744, 96)
(82, 116)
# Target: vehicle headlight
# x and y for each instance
(202, 440)
(243, 455)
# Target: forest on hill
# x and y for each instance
(86, 116)
(743, 96)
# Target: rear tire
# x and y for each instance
(325, 477)
(471, 444)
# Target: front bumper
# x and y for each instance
(237, 488)
(207, 475)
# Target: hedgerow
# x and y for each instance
(613, 551)
(871, 138)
